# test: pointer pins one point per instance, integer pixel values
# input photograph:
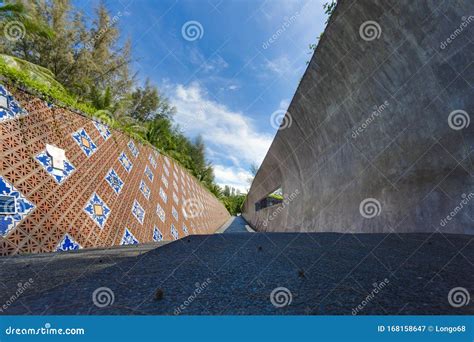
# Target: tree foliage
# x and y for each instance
(233, 200)
(82, 64)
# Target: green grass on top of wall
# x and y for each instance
(39, 80)
(36, 78)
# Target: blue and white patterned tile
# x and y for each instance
(67, 244)
(175, 198)
(138, 211)
(166, 170)
(97, 210)
(174, 212)
(160, 212)
(164, 181)
(185, 230)
(133, 148)
(114, 181)
(157, 235)
(126, 163)
(167, 161)
(145, 190)
(9, 108)
(152, 161)
(163, 195)
(103, 130)
(14, 207)
(85, 142)
(175, 185)
(149, 173)
(59, 175)
(128, 238)
(174, 232)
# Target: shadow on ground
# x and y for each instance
(326, 273)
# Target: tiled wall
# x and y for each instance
(112, 190)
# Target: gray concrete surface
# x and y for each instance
(325, 273)
(236, 224)
(336, 153)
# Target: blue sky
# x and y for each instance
(243, 64)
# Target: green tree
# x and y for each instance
(85, 57)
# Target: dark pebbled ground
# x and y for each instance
(326, 273)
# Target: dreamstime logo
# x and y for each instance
(370, 207)
(103, 296)
(378, 110)
(378, 286)
(370, 30)
(457, 32)
(14, 30)
(458, 296)
(22, 287)
(458, 119)
(287, 21)
(287, 199)
(200, 287)
(281, 119)
(280, 297)
(192, 208)
(192, 30)
(102, 31)
(465, 200)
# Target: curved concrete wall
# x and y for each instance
(376, 138)
(112, 191)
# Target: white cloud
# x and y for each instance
(279, 66)
(284, 104)
(310, 21)
(231, 176)
(231, 132)
(214, 63)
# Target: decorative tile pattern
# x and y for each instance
(185, 230)
(164, 181)
(9, 108)
(175, 198)
(157, 235)
(97, 210)
(45, 214)
(133, 148)
(114, 181)
(58, 175)
(128, 238)
(152, 161)
(126, 163)
(103, 130)
(163, 195)
(85, 142)
(67, 244)
(14, 207)
(145, 190)
(149, 173)
(138, 211)
(161, 213)
(174, 232)
(174, 212)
